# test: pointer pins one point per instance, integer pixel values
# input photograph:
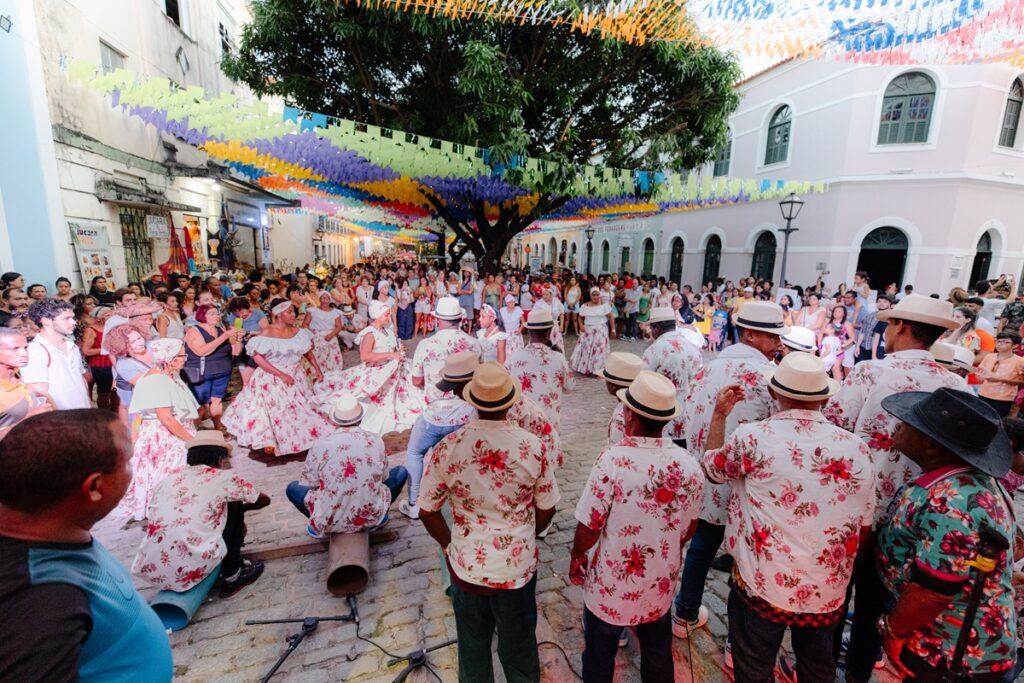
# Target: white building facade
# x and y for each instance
(925, 173)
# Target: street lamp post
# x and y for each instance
(589, 232)
(790, 206)
(519, 252)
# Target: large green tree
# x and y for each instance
(537, 90)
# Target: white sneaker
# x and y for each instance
(410, 511)
(681, 628)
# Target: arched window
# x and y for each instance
(763, 264)
(777, 149)
(712, 259)
(606, 256)
(675, 262)
(907, 110)
(590, 257)
(982, 259)
(572, 255)
(724, 157)
(883, 255)
(1011, 117)
(648, 267)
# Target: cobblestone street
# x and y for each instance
(403, 608)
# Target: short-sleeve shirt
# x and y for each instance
(428, 363)
(61, 370)
(673, 356)
(346, 473)
(186, 517)
(801, 491)
(931, 534)
(880, 331)
(544, 376)
(858, 408)
(492, 474)
(15, 402)
(1003, 368)
(1013, 313)
(642, 495)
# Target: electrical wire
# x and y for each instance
(568, 662)
(393, 656)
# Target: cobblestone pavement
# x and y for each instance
(403, 608)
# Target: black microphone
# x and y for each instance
(351, 599)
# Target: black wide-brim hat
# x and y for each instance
(960, 421)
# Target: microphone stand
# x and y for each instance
(416, 659)
(309, 624)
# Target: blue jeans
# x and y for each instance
(397, 476)
(601, 643)
(703, 546)
(513, 613)
(424, 436)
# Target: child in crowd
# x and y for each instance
(423, 310)
(829, 349)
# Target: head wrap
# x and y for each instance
(164, 350)
(487, 308)
(377, 309)
(509, 297)
(595, 289)
(281, 307)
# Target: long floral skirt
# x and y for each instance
(513, 344)
(591, 350)
(557, 342)
(327, 353)
(268, 413)
(390, 401)
(156, 452)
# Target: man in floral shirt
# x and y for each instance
(428, 361)
(499, 483)
(196, 522)
(934, 533)
(760, 330)
(343, 489)
(542, 372)
(676, 359)
(639, 507)
(802, 497)
(913, 325)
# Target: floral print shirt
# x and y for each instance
(931, 535)
(492, 474)
(531, 417)
(642, 495)
(801, 491)
(346, 471)
(858, 408)
(617, 425)
(428, 363)
(675, 358)
(737, 364)
(544, 375)
(187, 514)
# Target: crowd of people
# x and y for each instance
(853, 452)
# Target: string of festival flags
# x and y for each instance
(377, 179)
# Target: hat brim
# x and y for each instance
(651, 321)
(451, 385)
(492, 406)
(540, 326)
(831, 389)
(762, 327)
(796, 346)
(208, 442)
(645, 411)
(450, 318)
(348, 421)
(994, 460)
(612, 379)
(912, 316)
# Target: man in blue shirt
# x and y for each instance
(68, 609)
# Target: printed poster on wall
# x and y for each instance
(157, 227)
(194, 235)
(92, 251)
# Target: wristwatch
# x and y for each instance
(884, 629)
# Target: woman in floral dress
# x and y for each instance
(512, 322)
(324, 324)
(273, 412)
(381, 382)
(591, 350)
(167, 410)
(493, 342)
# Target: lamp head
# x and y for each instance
(791, 206)
(589, 232)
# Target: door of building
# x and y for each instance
(883, 256)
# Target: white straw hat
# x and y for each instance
(651, 395)
(458, 367)
(953, 356)
(345, 411)
(921, 309)
(622, 368)
(448, 308)
(800, 339)
(802, 377)
(540, 319)
(492, 388)
(662, 314)
(762, 316)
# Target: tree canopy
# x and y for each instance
(537, 90)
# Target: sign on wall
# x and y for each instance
(92, 251)
(157, 227)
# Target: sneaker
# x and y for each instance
(379, 525)
(410, 511)
(547, 530)
(249, 572)
(681, 628)
(722, 563)
(313, 533)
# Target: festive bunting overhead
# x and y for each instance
(379, 181)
